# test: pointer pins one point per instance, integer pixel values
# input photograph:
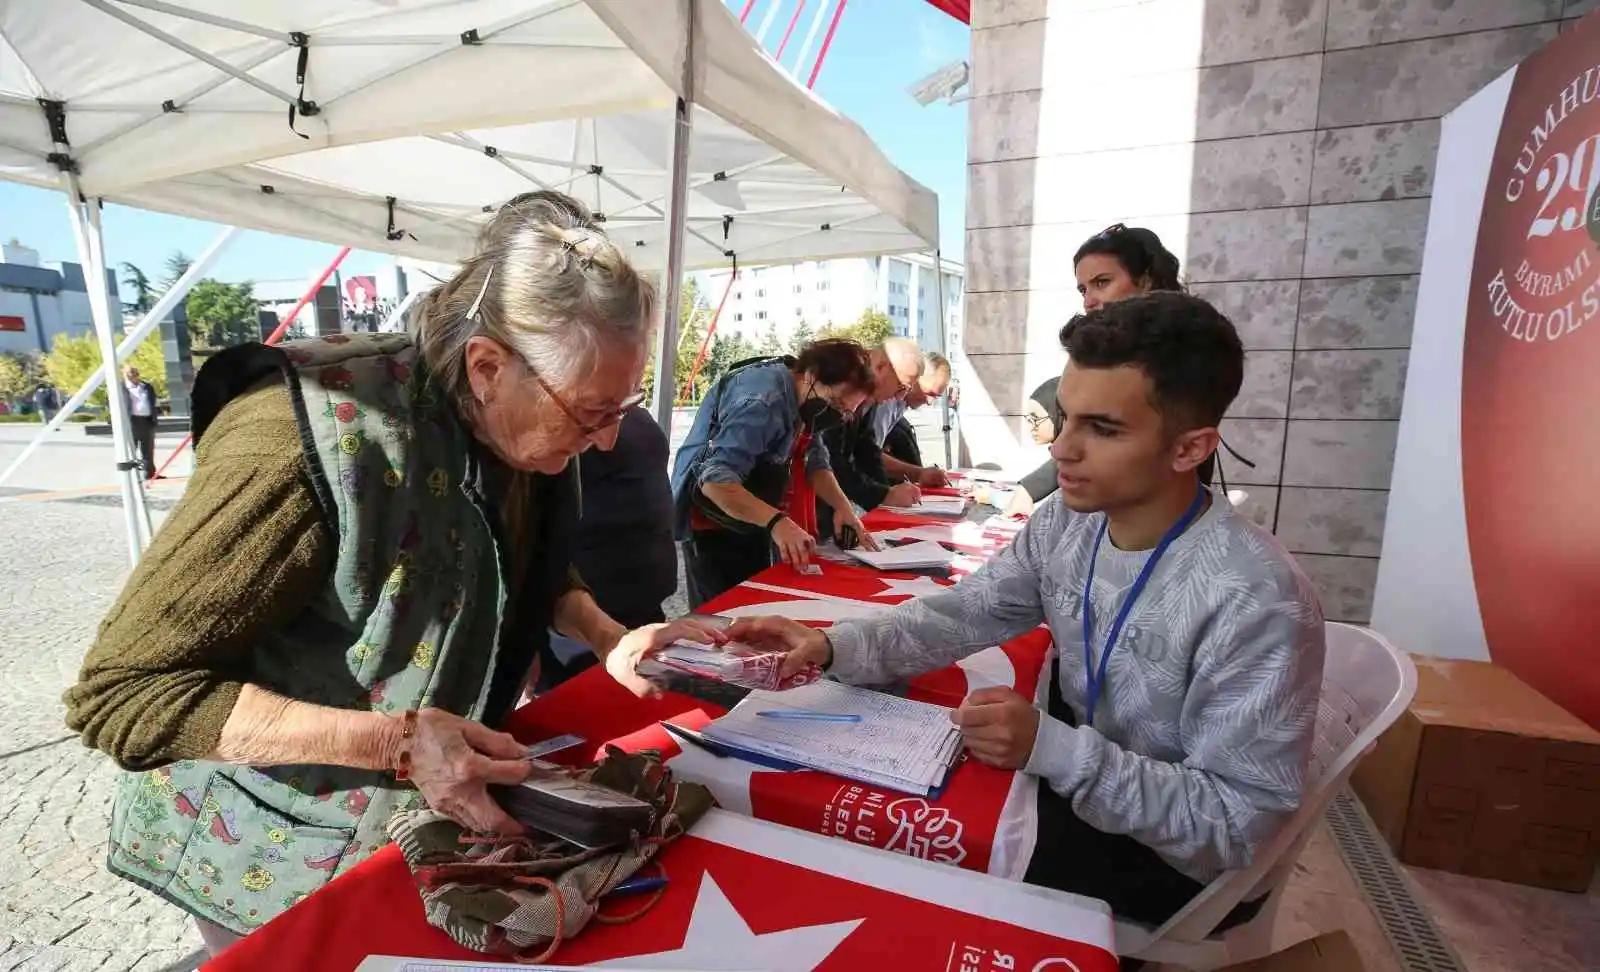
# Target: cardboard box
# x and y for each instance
(1484, 776)
(1333, 952)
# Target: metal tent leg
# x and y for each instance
(666, 382)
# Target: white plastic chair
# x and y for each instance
(1366, 683)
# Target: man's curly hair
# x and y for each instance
(1188, 349)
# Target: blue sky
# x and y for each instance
(881, 47)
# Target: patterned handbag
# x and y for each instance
(523, 896)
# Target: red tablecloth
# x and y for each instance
(742, 894)
(984, 819)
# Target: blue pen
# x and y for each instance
(639, 886)
(800, 715)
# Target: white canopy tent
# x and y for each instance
(398, 125)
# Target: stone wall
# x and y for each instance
(1284, 150)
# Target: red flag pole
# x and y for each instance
(273, 338)
(745, 13)
(799, 9)
(827, 41)
(705, 344)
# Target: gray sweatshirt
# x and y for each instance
(1203, 727)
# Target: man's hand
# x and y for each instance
(640, 643)
(904, 494)
(932, 477)
(998, 726)
(847, 518)
(801, 645)
(795, 546)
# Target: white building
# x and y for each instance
(40, 301)
(823, 292)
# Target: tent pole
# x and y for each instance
(86, 231)
(666, 382)
(944, 349)
(175, 293)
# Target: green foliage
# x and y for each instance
(20, 374)
(221, 314)
(178, 264)
(802, 336)
(869, 330)
(73, 359)
(726, 351)
(694, 317)
(144, 292)
(769, 341)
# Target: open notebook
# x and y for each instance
(898, 744)
(951, 506)
(917, 555)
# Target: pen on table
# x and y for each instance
(801, 715)
(692, 738)
(638, 886)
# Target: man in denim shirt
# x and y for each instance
(733, 472)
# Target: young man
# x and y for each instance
(1183, 699)
(902, 457)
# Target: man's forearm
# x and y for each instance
(900, 470)
(578, 616)
(827, 488)
(267, 729)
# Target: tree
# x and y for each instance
(869, 330)
(178, 264)
(694, 317)
(803, 335)
(144, 292)
(727, 351)
(18, 377)
(73, 359)
(769, 341)
(222, 315)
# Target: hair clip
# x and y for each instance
(477, 302)
(1111, 231)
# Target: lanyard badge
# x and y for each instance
(1096, 677)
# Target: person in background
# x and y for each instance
(856, 452)
(141, 398)
(1114, 264)
(1189, 644)
(46, 401)
(902, 456)
(354, 587)
(750, 472)
(622, 546)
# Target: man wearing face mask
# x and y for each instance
(856, 452)
(752, 470)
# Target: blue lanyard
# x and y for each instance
(1097, 677)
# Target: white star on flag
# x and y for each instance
(915, 587)
(719, 940)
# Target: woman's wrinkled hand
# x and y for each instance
(453, 762)
(640, 643)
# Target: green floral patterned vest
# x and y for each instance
(412, 618)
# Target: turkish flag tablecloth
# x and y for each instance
(984, 820)
(742, 894)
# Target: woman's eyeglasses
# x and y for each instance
(587, 429)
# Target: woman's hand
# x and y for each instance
(640, 643)
(453, 760)
(795, 545)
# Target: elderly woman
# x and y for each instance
(359, 579)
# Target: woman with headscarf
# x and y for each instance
(358, 580)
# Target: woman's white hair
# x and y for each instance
(546, 282)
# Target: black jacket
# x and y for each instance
(623, 547)
(856, 459)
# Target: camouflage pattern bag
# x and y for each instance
(524, 896)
